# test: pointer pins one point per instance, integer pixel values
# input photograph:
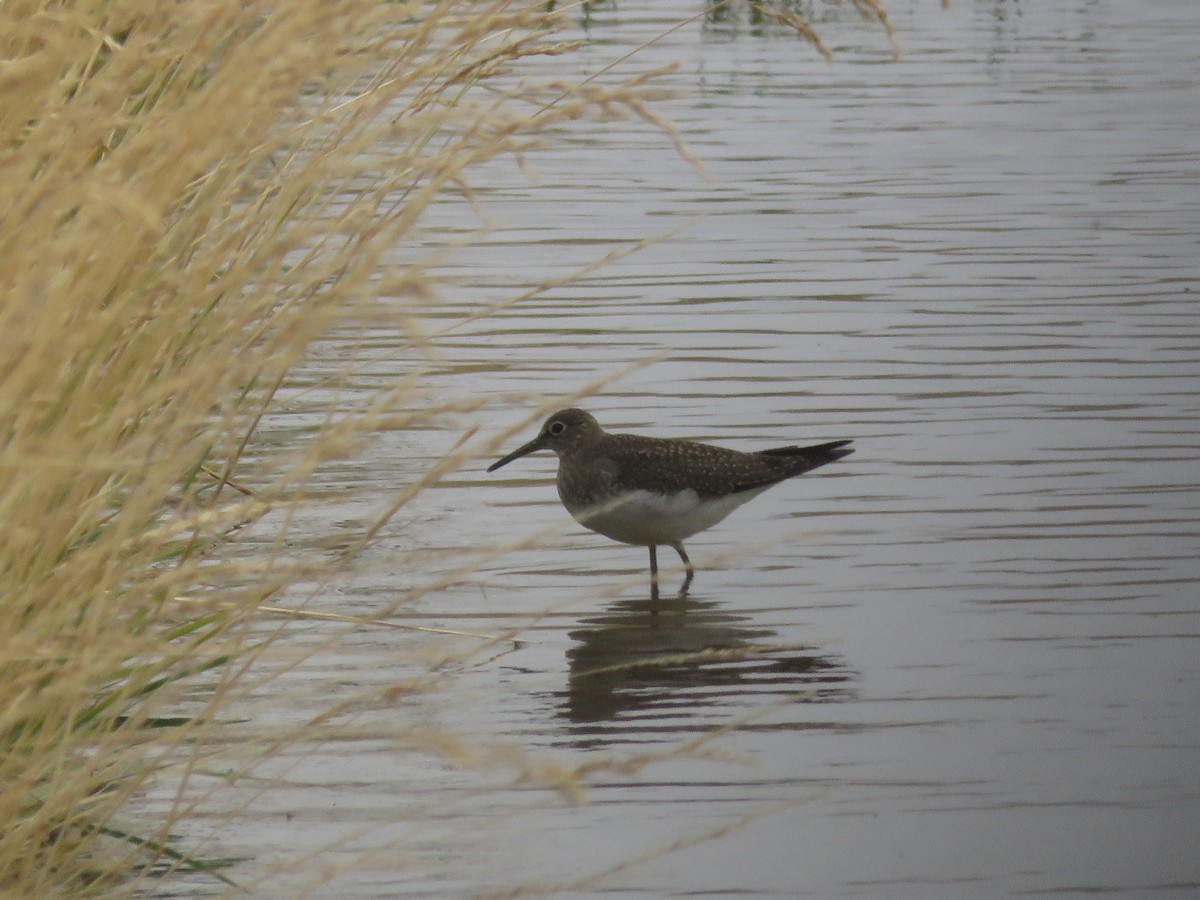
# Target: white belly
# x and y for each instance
(643, 517)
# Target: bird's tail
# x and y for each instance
(805, 459)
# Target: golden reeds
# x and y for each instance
(190, 193)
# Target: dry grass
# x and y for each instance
(191, 193)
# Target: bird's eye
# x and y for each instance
(557, 427)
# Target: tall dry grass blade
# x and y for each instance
(797, 23)
(873, 10)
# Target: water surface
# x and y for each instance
(964, 662)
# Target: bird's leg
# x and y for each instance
(653, 572)
(687, 564)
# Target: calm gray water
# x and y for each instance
(964, 662)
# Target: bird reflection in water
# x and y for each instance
(658, 660)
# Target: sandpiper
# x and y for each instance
(651, 491)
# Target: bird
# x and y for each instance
(650, 491)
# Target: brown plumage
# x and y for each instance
(651, 491)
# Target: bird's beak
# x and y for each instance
(538, 443)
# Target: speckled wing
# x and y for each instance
(665, 466)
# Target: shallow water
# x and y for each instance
(964, 662)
